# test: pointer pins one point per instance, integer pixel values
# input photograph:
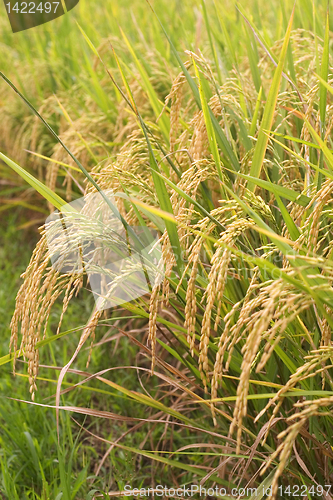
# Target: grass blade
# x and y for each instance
(46, 192)
(208, 122)
(267, 120)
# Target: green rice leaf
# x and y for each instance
(208, 122)
(267, 120)
(41, 188)
(156, 104)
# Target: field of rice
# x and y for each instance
(204, 126)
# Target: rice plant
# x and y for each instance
(227, 154)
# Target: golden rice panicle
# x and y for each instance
(41, 287)
(199, 144)
(90, 330)
(32, 308)
(216, 283)
(306, 136)
(191, 301)
(26, 296)
(282, 452)
(176, 102)
(308, 409)
(315, 363)
(296, 213)
(215, 289)
(210, 295)
(169, 263)
(326, 331)
(258, 204)
(74, 285)
(220, 284)
(234, 229)
(245, 166)
(199, 141)
(190, 182)
(290, 306)
(243, 324)
(313, 223)
(153, 309)
(225, 341)
(183, 156)
(250, 350)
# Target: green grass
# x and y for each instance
(31, 458)
(33, 464)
